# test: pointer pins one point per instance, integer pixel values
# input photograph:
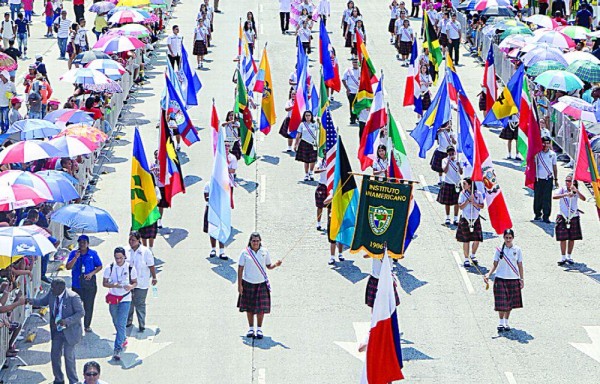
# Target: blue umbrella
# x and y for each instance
(24, 241)
(61, 187)
(28, 129)
(58, 175)
(85, 218)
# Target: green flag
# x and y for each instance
(246, 123)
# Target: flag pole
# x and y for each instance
(402, 181)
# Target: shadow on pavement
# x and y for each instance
(349, 271)
(265, 343)
(410, 353)
(546, 227)
(270, 159)
(516, 335)
(234, 231)
(249, 185)
(173, 236)
(224, 268)
(584, 269)
(516, 165)
(190, 180)
(408, 282)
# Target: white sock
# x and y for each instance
(472, 256)
(563, 258)
(503, 322)
(251, 329)
(318, 223)
(341, 255)
(447, 217)
(331, 257)
(506, 322)
(258, 329)
(569, 257)
(214, 249)
(221, 251)
(455, 218)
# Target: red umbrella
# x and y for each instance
(26, 151)
(20, 196)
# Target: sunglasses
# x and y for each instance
(89, 374)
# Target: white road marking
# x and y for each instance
(510, 377)
(263, 188)
(426, 188)
(591, 349)
(261, 137)
(261, 7)
(262, 371)
(262, 32)
(463, 272)
(361, 330)
(140, 348)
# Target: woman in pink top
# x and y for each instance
(28, 8)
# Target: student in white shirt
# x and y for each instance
(394, 14)
(283, 130)
(449, 191)
(250, 36)
(350, 25)
(253, 284)
(285, 7)
(509, 280)
(445, 138)
(200, 42)
(359, 29)
(404, 45)
(351, 80)
(174, 43)
(303, 34)
(426, 82)
(454, 33)
(324, 9)
(321, 191)
(380, 165)
(120, 278)
(568, 225)
(306, 141)
(469, 230)
(346, 15)
(142, 260)
(546, 176)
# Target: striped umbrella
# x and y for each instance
(28, 179)
(585, 70)
(26, 151)
(28, 129)
(84, 76)
(26, 240)
(71, 146)
(126, 17)
(62, 188)
(542, 21)
(483, 4)
(576, 108)
(118, 43)
(543, 52)
(112, 69)
(64, 117)
(559, 80)
(543, 66)
(574, 31)
(20, 196)
(554, 39)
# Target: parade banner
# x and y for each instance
(382, 218)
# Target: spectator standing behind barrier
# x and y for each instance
(7, 92)
(543, 4)
(120, 278)
(66, 312)
(62, 25)
(546, 172)
(84, 264)
(558, 6)
(142, 260)
(5, 289)
(91, 373)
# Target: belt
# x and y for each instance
(548, 178)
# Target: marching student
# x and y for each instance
(404, 44)
(250, 36)
(509, 281)
(200, 38)
(510, 133)
(568, 225)
(351, 24)
(303, 34)
(445, 138)
(426, 81)
(253, 284)
(469, 229)
(448, 195)
(333, 245)
(358, 29)
(546, 173)
(232, 134)
(394, 14)
(283, 130)
(371, 290)
(346, 16)
(213, 241)
(351, 80)
(380, 165)
(324, 8)
(306, 139)
(443, 33)
(321, 191)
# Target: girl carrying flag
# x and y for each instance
(306, 140)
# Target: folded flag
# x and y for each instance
(144, 204)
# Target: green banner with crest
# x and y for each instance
(382, 218)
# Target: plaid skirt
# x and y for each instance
(508, 133)
(443, 40)
(255, 298)
(163, 203)
(200, 48)
(306, 153)
(447, 195)
(572, 233)
(149, 232)
(426, 100)
(392, 26)
(507, 294)
(372, 291)
(205, 225)
(436, 160)
(320, 195)
(404, 47)
(236, 150)
(283, 130)
(464, 234)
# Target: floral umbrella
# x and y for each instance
(7, 63)
(576, 108)
(102, 7)
(92, 134)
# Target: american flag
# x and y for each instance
(330, 147)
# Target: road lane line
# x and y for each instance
(426, 188)
(510, 377)
(463, 272)
(261, 7)
(262, 376)
(262, 32)
(263, 188)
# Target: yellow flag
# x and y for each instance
(505, 105)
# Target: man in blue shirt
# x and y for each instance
(84, 263)
(22, 33)
(584, 17)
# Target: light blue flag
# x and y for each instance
(219, 197)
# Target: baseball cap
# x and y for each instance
(38, 56)
(16, 100)
(83, 238)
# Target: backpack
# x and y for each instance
(35, 97)
(130, 268)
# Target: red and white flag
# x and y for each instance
(214, 123)
(489, 81)
(377, 120)
(483, 171)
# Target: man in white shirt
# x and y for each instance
(174, 44)
(351, 79)
(62, 35)
(285, 7)
(324, 10)
(6, 86)
(454, 35)
(8, 30)
(142, 260)
(546, 175)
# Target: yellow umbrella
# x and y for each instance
(5, 261)
(82, 130)
(133, 3)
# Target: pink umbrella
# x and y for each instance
(483, 4)
(70, 146)
(554, 39)
(118, 44)
(20, 196)
(576, 108)
(126, 16)
(26, 151)
(28, 179)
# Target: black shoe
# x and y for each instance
(213, 253)
(250, 334)
(223, 257)
(547, 221)
(466, 264)
(506, 328)
(500, 328)
(537, 218)
(259, 334)
(561, 263)
(474, 260)
(570, 261)
(141, 329)
(129, 325)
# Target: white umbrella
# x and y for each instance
(84, 76)
(26, 240)
(573, 56)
